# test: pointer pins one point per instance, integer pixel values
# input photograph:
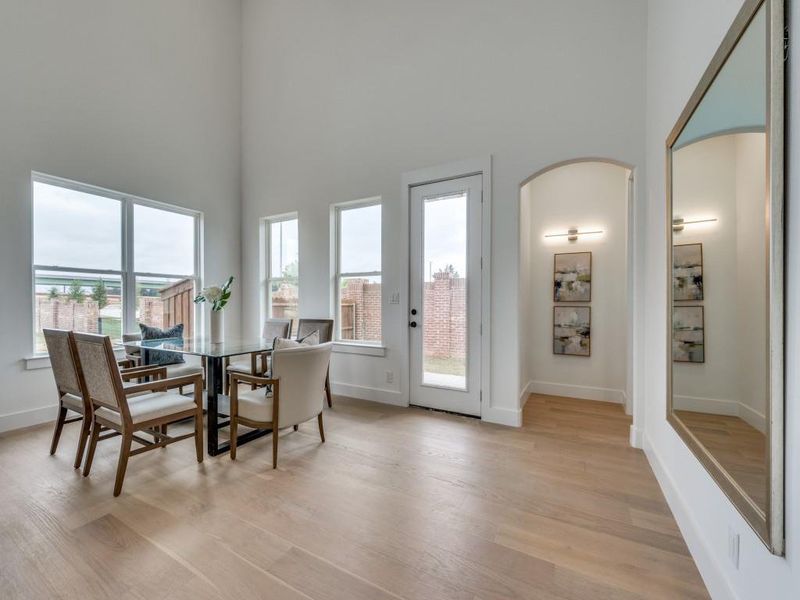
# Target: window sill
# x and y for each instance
(362, 349)
(42, 361)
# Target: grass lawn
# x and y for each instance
(445, 366)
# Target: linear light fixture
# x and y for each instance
(572, 234)
(679, 223)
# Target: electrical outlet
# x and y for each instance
(389, 376)
(733, 547)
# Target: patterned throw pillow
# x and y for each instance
(161, 357)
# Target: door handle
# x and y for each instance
(412, 324)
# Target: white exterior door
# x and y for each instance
(445, 295)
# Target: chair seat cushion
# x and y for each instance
(183, 369)
(150, 406)
(72, 402)
(241, 366)
(256, 406)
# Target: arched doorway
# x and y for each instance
(576, 296)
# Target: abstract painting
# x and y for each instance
(572, 277)
(688, 334)
(572, 330)
(687, 272)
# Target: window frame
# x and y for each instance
(127, 274)
(266, 254)
(338, 209)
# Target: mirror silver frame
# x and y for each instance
(769, 523)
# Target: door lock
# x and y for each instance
(413, 311)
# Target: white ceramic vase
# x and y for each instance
(217, 327)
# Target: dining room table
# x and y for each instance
(214, 355)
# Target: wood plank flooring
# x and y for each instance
(398, 503)
(739, 447)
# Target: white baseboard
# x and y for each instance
(27, 418)
(582, 392)
(636, 438)
(719, 406)
(362, 392)
(525, 394)
(713, 576)
(753, 417)
(502, 416)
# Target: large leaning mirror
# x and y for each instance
(725, 265)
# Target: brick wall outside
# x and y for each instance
(445, 316)
(361, 310)
(445, 312)
(60, 313)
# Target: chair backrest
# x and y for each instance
(324, 326)
(65, 363)
(99, 365)
(301, 372)
(280, 328)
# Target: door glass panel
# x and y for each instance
(444, 326)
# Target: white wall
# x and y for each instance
(591, 196)
(141, 97)
(682, 37)
(340, 99)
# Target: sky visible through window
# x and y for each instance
(445, 235)
(84, 231)
(360, 239)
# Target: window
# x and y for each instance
(358, 271)
(283, 263)
(103, 262)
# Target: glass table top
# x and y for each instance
(204, 347)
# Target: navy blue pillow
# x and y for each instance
(160, 357)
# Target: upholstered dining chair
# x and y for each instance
(257, 363)
(149, 413)
(296, 394)
(71, 386)
(325, 329)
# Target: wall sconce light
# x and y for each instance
(572, 234)
(678, 224)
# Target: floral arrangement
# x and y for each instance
(216, 295)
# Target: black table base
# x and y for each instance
(215, 373)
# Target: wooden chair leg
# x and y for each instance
(86, 429)
(62, 416)
(275, 447)
(296, 427)
(234, 435)
(92, 445)
(321, 428)
(122, 464)
(198, 434)
(328, 388)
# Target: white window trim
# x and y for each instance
(352, 346)
(127, 275)
(266, 256)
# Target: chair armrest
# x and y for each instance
(126, 363)
(165, 384)
(237, 377)
(148, 371)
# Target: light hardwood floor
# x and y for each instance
(398, 503)
(739, 447)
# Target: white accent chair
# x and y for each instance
(257, 363)
(149, 413)
(296, 394)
